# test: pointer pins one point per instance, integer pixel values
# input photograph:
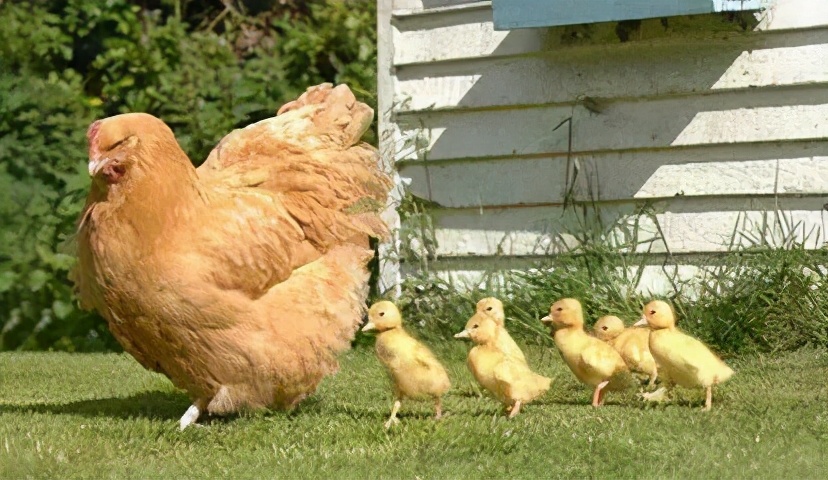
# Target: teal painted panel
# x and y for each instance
(512, 14)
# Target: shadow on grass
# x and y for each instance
(151, 405)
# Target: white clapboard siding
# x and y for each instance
(654, 279)
(687, 226)
(697, 137)
(643, 70)
(795, 14)
(726, 117)
(460, 33)
(764, 169)
(421, 6)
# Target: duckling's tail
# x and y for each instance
(723, 374)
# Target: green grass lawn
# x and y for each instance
(102, 415)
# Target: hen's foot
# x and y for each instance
(190, 416)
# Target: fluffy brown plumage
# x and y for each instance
(242, 279)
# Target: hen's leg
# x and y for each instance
(393, 418)
(192, 414)
(596, 395)
(438, 408)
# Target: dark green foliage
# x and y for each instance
(205, 67)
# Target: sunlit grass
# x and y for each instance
(102, 415)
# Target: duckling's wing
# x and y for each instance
(507, 345)
(600, 358)
(687, 354)
(634, 352)
(424, 357)
(518, 382)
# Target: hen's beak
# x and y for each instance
(641, 322)
(546, 319)
(369, 326)
(96, 164)
(463, 334)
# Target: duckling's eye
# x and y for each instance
(382, 314)
(559, 309)
(489, 309)
(475, 326)
(604, 327)
(652, 312)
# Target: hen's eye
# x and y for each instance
(382, 314)
(489, 309)
(117, 144)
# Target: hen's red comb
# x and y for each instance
(92, 138)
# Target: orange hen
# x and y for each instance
(240, 280)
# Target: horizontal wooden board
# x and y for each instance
(792, 14)
(688, 225)
(464, 33)
(784, 169)
(458, 34)
(654, 280)
(636, 70)
(726, 117)
(407, 7)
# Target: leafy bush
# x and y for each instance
(203, 66)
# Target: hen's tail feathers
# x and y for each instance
(332, 186)
(337, 115)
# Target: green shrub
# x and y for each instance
(204, 67)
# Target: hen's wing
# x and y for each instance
(293, 187)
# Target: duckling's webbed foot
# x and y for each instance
(438, 408)
(392, 420)
(515, 409)
(659, 395)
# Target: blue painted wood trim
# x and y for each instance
(512, 14)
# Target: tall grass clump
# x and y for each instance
(762, 295)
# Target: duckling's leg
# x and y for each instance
(192, 413)
(708, 401)
(597, 396)
(393, 418)
(515, 410)
(438, 408)
(653, 377)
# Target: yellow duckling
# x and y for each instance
(632, 343)
(591, 360)
(683, 359)
(414, 371)
(494, 308)
(510, 381)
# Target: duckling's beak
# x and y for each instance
(641, 323)
(546, 319)
(463, 334)
(369, 326)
